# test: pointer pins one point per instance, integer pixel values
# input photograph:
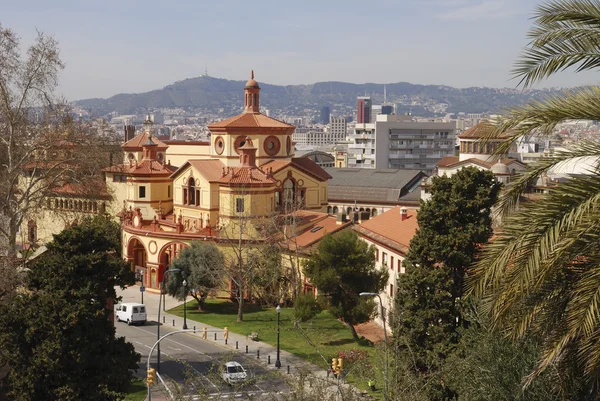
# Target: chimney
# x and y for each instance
(403, 213)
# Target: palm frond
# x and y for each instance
(565, 34)
(585, 151)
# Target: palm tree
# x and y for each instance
(541, 274)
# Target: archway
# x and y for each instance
(167, 254)
(136, 252)
(335, 210)
(329, 209)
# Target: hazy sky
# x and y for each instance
(124, 46)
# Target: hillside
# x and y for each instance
(225, 96)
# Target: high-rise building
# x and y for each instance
(337, 129)
(363, 110)
(394, 141)
(325, 115)
(387, 109)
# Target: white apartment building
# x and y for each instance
(333, 133)
(394, 141)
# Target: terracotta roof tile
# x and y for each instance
(250, 120)
(390, 229)
(145, 167)
(322, 224)
(481, 130)
(447, 161)
(210, 169)
(301, 163)
(139, 140)
(245, 175)
(81, 190)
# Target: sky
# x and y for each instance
(127, 46)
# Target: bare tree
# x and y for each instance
(41, 147)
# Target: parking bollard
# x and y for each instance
(215, 336)
(268, 359)
(257, 354)
(288, 369)
(173, 322)
(236, 345)
(163, 319)
(246, 349)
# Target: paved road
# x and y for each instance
(190, 364)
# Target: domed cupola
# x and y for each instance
(251, 95)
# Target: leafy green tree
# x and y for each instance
(56, 336)
(488, 366)
(343, 267)
(305, 308)
(203, 267)
(453, 224)
(540, 276)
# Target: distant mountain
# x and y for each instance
(225, 97)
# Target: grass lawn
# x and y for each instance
(327, 334)
(322, 335)
(137, 391)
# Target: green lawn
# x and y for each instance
(137, 391)
(323, 335)
(327, 334)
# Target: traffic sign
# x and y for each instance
(142, 289)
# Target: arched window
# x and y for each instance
(62, 204)
(335, 210)
(56, 203)
(348, 210)
(95, 207)
(191, 191)
(329, 209)
(289, 194)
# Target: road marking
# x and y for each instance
(176, 349)
(175, 342)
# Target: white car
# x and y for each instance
(131, 313)
(234, 373)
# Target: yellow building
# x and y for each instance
(246, 173)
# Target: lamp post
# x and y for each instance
(162, 287)
(185, 283)
(374, 294)
(142, 280)
(278, 362)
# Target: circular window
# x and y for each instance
(272, 145)
(288, 145)
(239, 142)
(130, 156)
(160, 157)
(219, 145)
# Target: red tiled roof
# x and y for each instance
(137, 142)
(245, 175)
(389, 228)
(301, 163)
(250, 120)
(145, 167)
(482, 130)
(210, 169)
(81, 190)
(447, 161)
(312, 233)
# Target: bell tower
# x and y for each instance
(251, 95)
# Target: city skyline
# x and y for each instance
(133, 47)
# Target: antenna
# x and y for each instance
(205, 71)
(384, 94)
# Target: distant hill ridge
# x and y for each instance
(212, 94)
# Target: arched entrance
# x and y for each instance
(137, 253)
(166, 255)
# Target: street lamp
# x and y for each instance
(162, 288)
(185, 283)
(278, 362)
(374, 294)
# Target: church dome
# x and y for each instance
(251, 83)
(500, 168)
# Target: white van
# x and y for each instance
(131, 313)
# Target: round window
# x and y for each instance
(130, 156)
(219, 145)
(271, 145)
(239, 142)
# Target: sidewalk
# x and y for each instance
(290, 363)
(132, 294)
